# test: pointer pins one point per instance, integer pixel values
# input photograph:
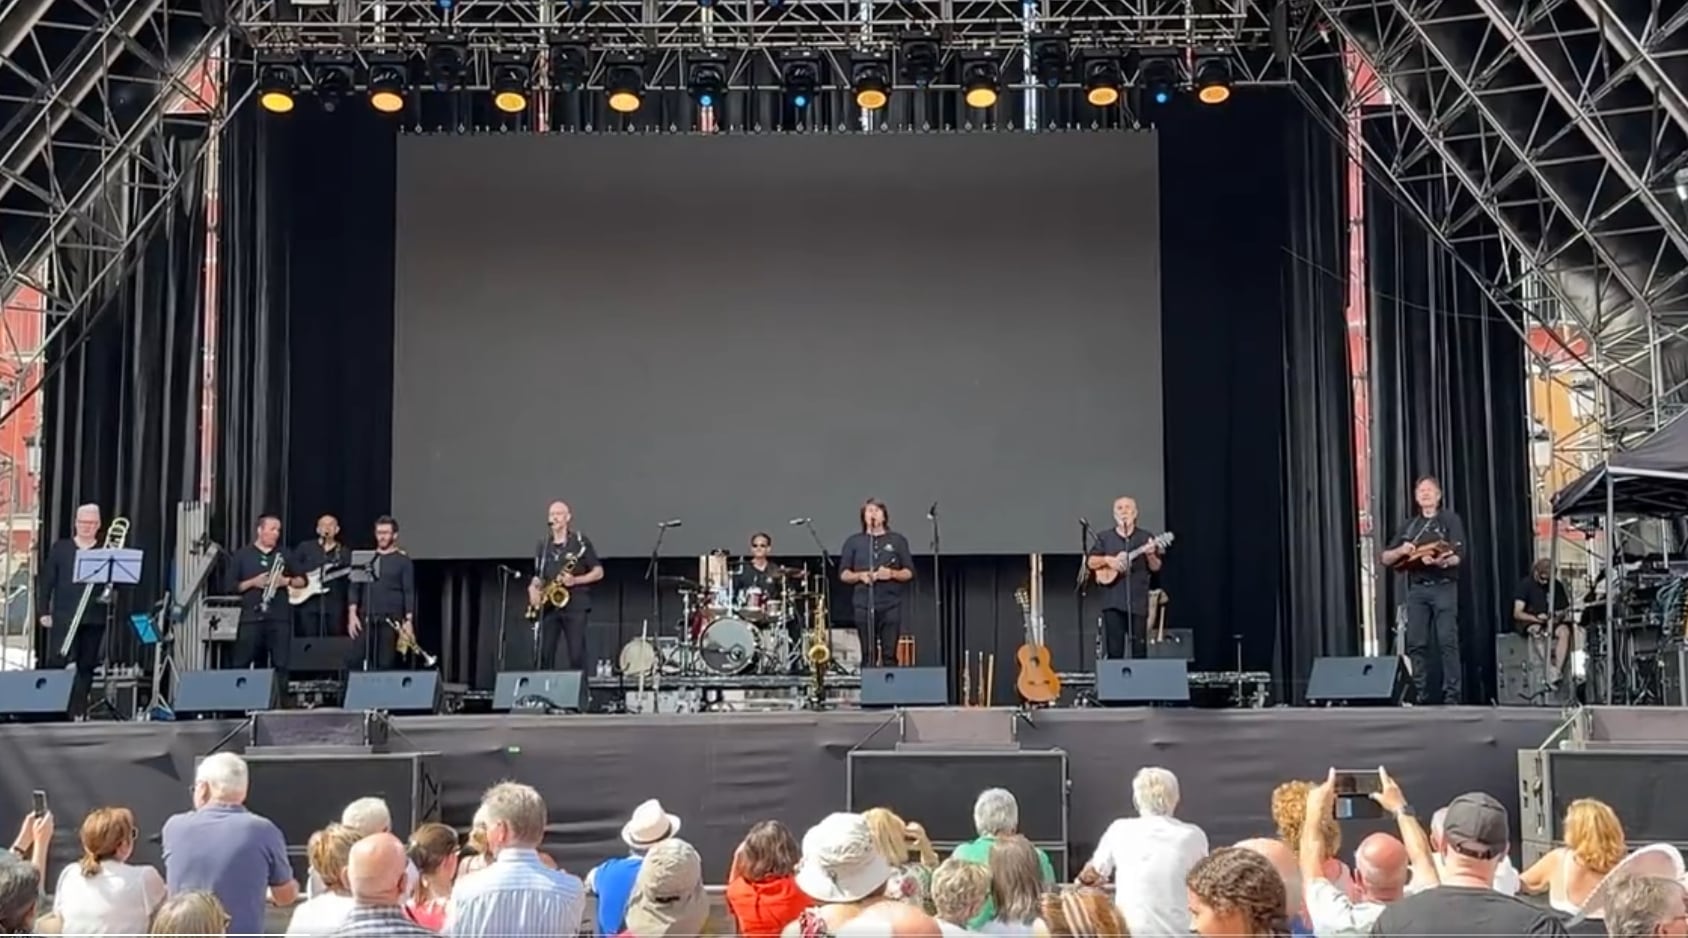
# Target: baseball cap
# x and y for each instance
(1477, 826)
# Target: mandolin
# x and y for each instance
(1107, 575)
(1037, 681)
(1424, 556)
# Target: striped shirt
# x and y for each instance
(516, 897)
(379, 921)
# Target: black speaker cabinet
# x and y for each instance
(905, 687)
(1142, 681)
(323, 653)
(35, 695)
(544, 690)
(393, 691)
(1377, 682)
(1174, 643)
(216, 693)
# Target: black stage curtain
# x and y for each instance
(122, 404)
(1447, 400)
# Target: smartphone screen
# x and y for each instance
(38, 802)
(1358, 782)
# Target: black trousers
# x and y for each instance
(266, 641)
(85, 653)
(1117, 626)
(1433, 621)
(377, 645)
(323, 615)
(879, 630)
(562, 639)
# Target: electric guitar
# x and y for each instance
(1107, 575)
(1037, 681)
(316, 584)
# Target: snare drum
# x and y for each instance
(729, 646)
(753, 605)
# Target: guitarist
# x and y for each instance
(1125, 601)
(323, 614)
(1432, 598)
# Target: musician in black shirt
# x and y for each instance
(319, 559)
(384, 607)
(878, 562)
(1125, 601)
(265, 633)
(59, 597)
(1432, 597)
(1531, 612)
(565, 557)
(759, 572)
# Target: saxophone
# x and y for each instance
(554, 593)
(819, 652)
(277, 570)
(116, 536)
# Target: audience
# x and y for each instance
(195, 913)
(762, 892)
(909, 851)
(668, 900)
(1594, 843)
(433, 852)
(892, 920)
(517, 895)
(612, 880)
(1236, 892)
(996, 813)
(376, 872)
(1148, 857)
(1646, 907)
(1382, 863)
(20, 890)
(221, 847)
(959, 890)
(842, 870)
(1017, 885)
(1506, 875)
(101, 894)
(1082, 913)
(1289, 814)
(330, 850)
(35, 838)
(1286, 862)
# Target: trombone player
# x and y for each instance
(59, 596)
(383, 611)
(564, 565)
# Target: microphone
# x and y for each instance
(674, 523)
(509, 571)
(1084, 522)
(799, 521)
(932, 513)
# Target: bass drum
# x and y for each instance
(729, 646)
(644, 658)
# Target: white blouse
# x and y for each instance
(118, 900)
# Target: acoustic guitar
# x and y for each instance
(1424, 556)
(1037, 681)
(1107, 575)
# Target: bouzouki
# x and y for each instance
(1424, 556)
(1108, 575)
(1037, 682)
(316, 584)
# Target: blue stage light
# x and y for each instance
(1162, 97)
(800, 101)
(705, 100)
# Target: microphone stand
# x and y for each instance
(650, 574)
(505, 575)
(1081, 589)
(826, 592)
(539, 574)
(937, 581)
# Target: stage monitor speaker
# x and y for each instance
(323, 653)
(35, 695)
(540, 690)
(393, 691)
(1377, 682)
(1174, 643)
(905, 687)
(1520, 674)
(231, 691)
(1142, 681)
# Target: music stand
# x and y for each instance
(107, 568)
(363, 573)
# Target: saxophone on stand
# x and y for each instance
(116, 536)
(818, 652)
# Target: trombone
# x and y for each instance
(117, 534)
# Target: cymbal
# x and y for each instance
(678, 582)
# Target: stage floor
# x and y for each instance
(723, 772)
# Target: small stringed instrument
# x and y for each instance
(1107, 575)
(1037, 682)
(1424, 556)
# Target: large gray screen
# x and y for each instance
(741, 330)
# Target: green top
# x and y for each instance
(979, 851)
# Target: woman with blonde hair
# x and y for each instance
(960, 888)
(1594, 843)
(191, 913)
(329, 850)
(433, 851)
(1016, 887)
(101, 894)
(909, 851)
(1081, 912)
(1289, 814)
(1235, 892)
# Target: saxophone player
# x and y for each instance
(566, 558)
(265, 633)
(385, 607)
(59, 596)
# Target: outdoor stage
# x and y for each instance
(723, 772)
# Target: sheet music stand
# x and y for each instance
(363, 572)
(107, 568)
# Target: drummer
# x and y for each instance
(758, 573)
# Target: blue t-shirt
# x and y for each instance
(613, 882)
(230, 852)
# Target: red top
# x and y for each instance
(430, 916)
(764, 908)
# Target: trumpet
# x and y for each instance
(408, 646)
(278, 570)
(116, 536)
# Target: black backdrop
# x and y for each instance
(1256, 393)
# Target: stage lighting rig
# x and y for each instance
(800, 75)
(333, 76)
(1157, 74)
(706, 77)
(1213, 79)
(1051, 57)
(389, 81)
(980, 76)
(625, 85)
(512, 76)
(569, 66)
(278, 82)
(870, 82)
(921, 58)
(447, 59)
(1103, 79)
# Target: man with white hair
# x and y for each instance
(996, 813)
(58, 598)
(1646, 907)
(20, 891)
(368, 816)
(1149, 857)
(1506, 875)
(222, 848)
(517, 895)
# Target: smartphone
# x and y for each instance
(1354, 789)
(38, 803)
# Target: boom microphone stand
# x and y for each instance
(651, 571)
(505, 576)
(937, 582)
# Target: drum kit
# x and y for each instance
(729, 626)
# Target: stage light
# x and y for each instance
(1050, 55)
(706, 78)
(447, 58)
(869, 83)
(800, 72)
(1213, 80)
(1158, 75)
(978, 83)
(920, 59)
(568, 66)
(1102, 81)
(511, 77)
(388, 81)
(277, 84)
(626, 88)
(332, 78)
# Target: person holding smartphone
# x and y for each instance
(35, 835)
(1383, 863)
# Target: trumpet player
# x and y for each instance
(385, 607)
(59, 596)
(265, 633)
(565, 558)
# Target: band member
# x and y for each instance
(264, 634)
(1432, 598)
(319, 557)
(759, 572)
(385, 607)
(60, 596)
(566, 557)
(1531, 615)
(1125, 601)
(879, 563)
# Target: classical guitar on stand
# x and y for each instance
(316, 584)
(1107, 575)
(1037, 682)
